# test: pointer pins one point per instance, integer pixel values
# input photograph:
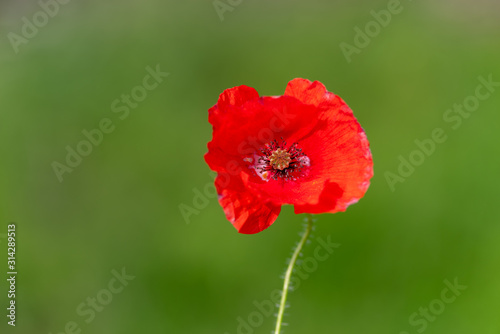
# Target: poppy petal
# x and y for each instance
(247, 215)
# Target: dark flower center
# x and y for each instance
(280, 161)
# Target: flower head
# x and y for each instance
(304, 148)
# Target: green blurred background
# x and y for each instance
(119, 208)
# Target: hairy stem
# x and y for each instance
(289, 271)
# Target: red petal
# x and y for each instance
(236, 96)
(230, 98)
(341, 162)
(241, 131)
(327, 200)
(306, 91)
(247, 214)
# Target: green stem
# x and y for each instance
(289, 271)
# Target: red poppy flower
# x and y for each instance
(304, 148)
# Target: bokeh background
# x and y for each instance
(119, 208)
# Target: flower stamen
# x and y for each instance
(280, 161)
